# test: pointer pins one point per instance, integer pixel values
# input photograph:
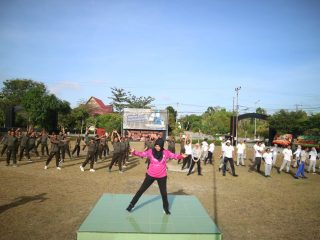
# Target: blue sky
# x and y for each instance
(187, 54)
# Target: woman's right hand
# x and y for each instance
(132, 150)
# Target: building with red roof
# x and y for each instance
(97, 107)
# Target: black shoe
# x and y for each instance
(304, 177)
(130, 207)
(296, 177)
(166, 211)
(224, 174)
(200, 174)
(188, 174)
(235, 175)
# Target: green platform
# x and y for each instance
(109, 219)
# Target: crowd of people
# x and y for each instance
(19, 145)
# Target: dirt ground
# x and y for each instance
(51, 204)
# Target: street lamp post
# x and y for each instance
(237, 89)
(255, 120)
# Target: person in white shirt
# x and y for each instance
(188, 152)
(244, 146)
(297, 156)
(228, 152)
(258, 151)
(240, 152)
(313, 159)
(274, 154)
(303, 157)
(287, 156)
(210, 154)
(196, 154)
(204, 149)
(223, 144)
(267, 156)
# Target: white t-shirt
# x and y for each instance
(275, 151)
(313, 155)
(211, 147)
(188, 149)
(228, 150)
(240, 148)
(268, 157)
(287, 154)
(204, 146)
(257, 148)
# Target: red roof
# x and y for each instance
(97, 107)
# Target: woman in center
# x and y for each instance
(157, 171)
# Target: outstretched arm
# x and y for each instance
(139, 154)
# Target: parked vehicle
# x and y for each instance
(282, 140)
(308, 141)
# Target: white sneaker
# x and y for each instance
(81, 168)
(45, 167)
(92, 170)
(58, 168)
(120, 171)
(29, 160)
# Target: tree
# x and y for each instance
(216, 121)
(289, 122)
(191, 122)
(122, 99)
(15, 89)
(110, 122)
(40, 106)
(172, 115)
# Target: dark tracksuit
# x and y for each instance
(55, 151)
(116, 155)
(44, 144)
(11, 149)
(172, 146)
(61, 148)
(24, 147)
(97, 153)
(92, 147)
(65, 149)
(77, 146)
(126, 151)
(32, 145)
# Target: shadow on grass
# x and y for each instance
(23, 200)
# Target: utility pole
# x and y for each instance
(237, 89)
(177, 113)
(255, 120)
(297, 107)
(232, 124)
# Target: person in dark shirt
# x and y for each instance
(117, 154)
(11, 149)
(44, 143)
(24, 146)
(32, 144)
(92, 147)
(55, 151)
(77, 146)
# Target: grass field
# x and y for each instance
(51, 204)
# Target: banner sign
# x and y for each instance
(145, 119)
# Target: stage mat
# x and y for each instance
(109, 219)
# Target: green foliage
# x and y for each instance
(172, 114)
(122, 99)
(216, 121)
(109, 122)
(14, 90)
(39, 106)
(289, 122)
